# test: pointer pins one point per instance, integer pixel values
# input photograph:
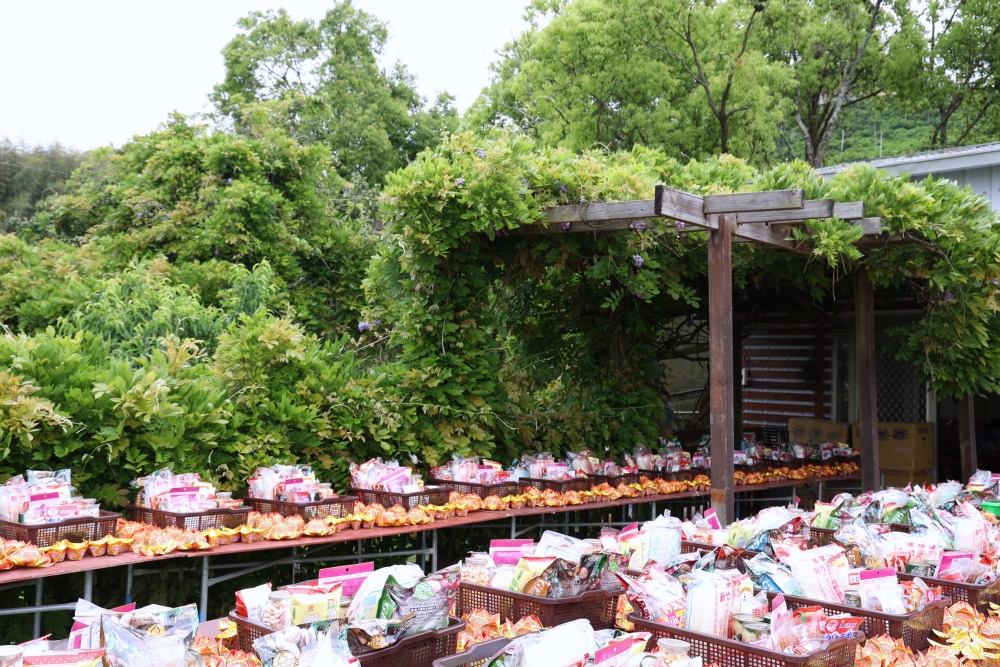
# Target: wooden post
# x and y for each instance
(721, 381)
(967, 436)
(864, 322)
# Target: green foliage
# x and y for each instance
(322, 82)
(28, 174)
(947, 65)
(208, 201)
(671, 75)
(510, 343)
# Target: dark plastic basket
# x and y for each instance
(576, 484)
(511, 488)
(216, 518)
(477, 656)
(339, 507)
(74, 530)
(978, 596)
(615, 480)
(731, 653)
(598, 606)
(416, 650)
(431, 495)
(679, 476)
(913, 628)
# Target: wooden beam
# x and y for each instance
(720, 374)
(742, 202)
(578, 227)
(878, 241)
(601, 212)
(682, 206)
(869, 226)
(967, 436)
(772, 236)
(864, 335)
(814, 208)
(849, 210)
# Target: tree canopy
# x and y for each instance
(696, 78)
(322, 81)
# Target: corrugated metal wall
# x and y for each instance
(787, 367)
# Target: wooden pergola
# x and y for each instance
(763, 218)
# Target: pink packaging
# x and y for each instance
(394, 481)
(350, 576)
(508, 552)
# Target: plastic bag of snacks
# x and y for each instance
(567, 644)
(582, 462)
(821, 573)
(250, 602)
(153, 639)
(659, 599)
(294, 646)
(182, 493)
(425, 605)
(644, 458)
(281, 482)
(373, 634)
(366, 600)
(712, 598)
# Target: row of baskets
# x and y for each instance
(94, 528)
(598, 607)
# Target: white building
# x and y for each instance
(975, 166)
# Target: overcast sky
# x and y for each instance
(97, 72)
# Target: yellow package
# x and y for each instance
(527, 569)
(309, 608)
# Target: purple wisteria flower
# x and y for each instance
(139, 214)
(524, 181)
(376, 324)
(948, 296)
(563, 188)
(995, 281)
(460, 181)
(565, 226)
(639, 294)
(229, 181)
(363, 326)
(641, 226)
(679, 225)
(480, 153)
(216, 251)
(638, 261)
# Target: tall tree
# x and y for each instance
(951, 66)
(716, 45)
(616, 73)
(323, 82)
(836, 49)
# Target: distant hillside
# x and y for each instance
(863, 125)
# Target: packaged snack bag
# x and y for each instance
(527, 569)
(149, 639)
(425, 605)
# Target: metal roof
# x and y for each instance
(939, 161)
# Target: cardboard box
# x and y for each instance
(902, 445)
(900, 478)
(817, 430)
